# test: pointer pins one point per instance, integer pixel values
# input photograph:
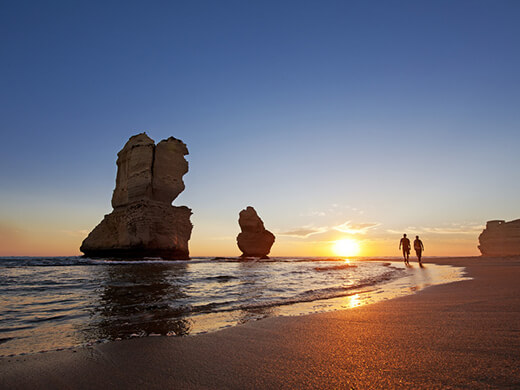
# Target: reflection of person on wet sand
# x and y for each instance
(419, 247)
(405, 244)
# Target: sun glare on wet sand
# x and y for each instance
(346, 247)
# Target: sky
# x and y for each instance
(335, 120)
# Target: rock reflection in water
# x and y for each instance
(140, 299)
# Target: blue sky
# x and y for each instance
(401, 116)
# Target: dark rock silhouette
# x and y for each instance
(254, 240)
(144, 223)
(500, 238)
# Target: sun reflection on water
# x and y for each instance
(354, 301)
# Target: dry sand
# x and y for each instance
(459, 335)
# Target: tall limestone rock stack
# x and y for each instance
(144, 223)
(500, 238)
(254, 240)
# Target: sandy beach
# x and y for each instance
(460, 335)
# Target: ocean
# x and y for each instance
(53, 303)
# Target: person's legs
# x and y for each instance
(406, 254)
(419, 254)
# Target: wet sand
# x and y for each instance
(460, 335)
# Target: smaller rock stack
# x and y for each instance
(500, 238)
(254, 240)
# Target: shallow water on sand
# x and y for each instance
(54, 303)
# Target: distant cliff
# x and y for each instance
(500, 238)
(144, 223)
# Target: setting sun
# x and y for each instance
(346, 247)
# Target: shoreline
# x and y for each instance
(462, 334)
(394, 279)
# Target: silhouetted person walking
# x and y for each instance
(419, 247)
(405, 244)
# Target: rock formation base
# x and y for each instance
(141, 229)
(255, 244)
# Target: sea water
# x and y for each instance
(63, 302)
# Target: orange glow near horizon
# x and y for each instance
(346, 247)
(51, 240)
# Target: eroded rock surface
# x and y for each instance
(144, 223)
(254, 240)
(168, 168)
(500, 238)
